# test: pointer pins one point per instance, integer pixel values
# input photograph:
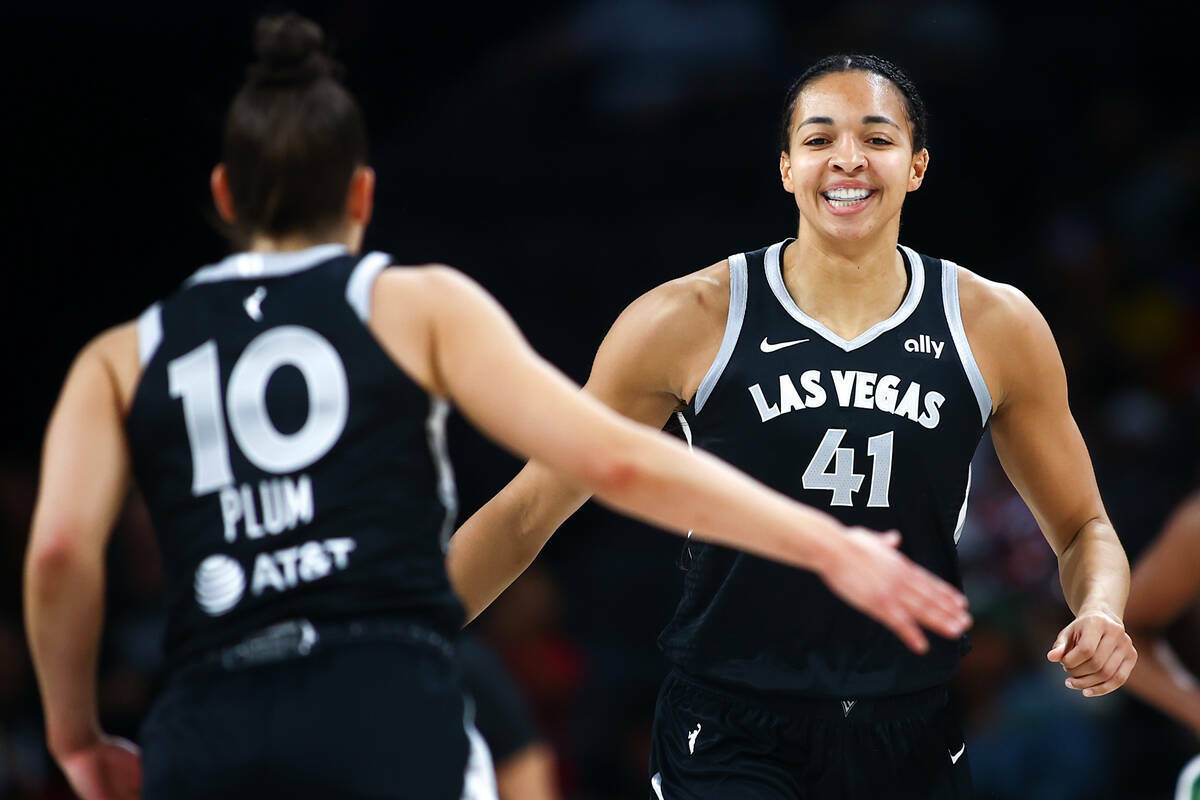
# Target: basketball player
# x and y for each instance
(857, 375)
(283, 416)
(1165, 590)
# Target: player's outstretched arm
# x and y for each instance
(1044, 455)
(636, 372)
(1166, 580)
(84, 481)
(480, 360)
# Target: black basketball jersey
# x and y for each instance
(291, 469)
(879, 431)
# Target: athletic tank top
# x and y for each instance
(291, 469)
(879, 431)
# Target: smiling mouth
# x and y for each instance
(846, 198)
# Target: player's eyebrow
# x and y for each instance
(870, 119)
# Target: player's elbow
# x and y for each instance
(612, 472)
(53, 553)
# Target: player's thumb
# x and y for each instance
(1059, 648)
(891, 538)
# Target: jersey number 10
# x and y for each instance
(196, 379)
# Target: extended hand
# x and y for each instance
(111, 769)
(873, 576)
(1096, 652)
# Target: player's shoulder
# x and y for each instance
(993, 308)
(112, 354)
(695, 301)
(1010, 339)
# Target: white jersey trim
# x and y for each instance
(962, 512)
(656, 785)
(362, 279)
(435, 431)
(687, 435)
(916, 287)
(738, 287)
(959, 333)
(240, 266)
(149, 333)
(479, 777)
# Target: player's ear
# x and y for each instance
(785, 172)
(360, 200)
(916, 172)
(218, 183)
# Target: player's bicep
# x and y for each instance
(85, 463)
(1166, 579)
(1036, 437)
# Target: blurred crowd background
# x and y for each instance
(570, 156)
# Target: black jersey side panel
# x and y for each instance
(878, 431)
(286, 460)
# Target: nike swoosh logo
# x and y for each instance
(954, 757)
(767, 347)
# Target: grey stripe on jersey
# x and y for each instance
(265, 265)
(435, 430)
(962, 512)
(358, 288)
(149, 333)
(916, 288)
(954, 320)
(479, 777)
(733, 327)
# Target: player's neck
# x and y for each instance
(350, 236)
(846, 287)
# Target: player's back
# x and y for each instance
(291, 469)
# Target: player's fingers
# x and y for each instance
(1080, 646)
(945, 619)
(1060, 645)
(1102, 651)
(939, 593)
(891, 538)
(902, 624)
(1095, 678)
(1115, 682)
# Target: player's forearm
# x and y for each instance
(500, 540)
(663, 482)
(64, 601)
(1160, 680)
(1095, 571)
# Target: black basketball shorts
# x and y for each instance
(357, 719)
(710, 743)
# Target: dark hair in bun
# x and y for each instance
(291, 51)
(293, 135)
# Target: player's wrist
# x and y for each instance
(68, 738)
(1099, 608)
(829, 549)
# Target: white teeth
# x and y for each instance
(849, 195)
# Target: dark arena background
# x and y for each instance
(570, 156)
